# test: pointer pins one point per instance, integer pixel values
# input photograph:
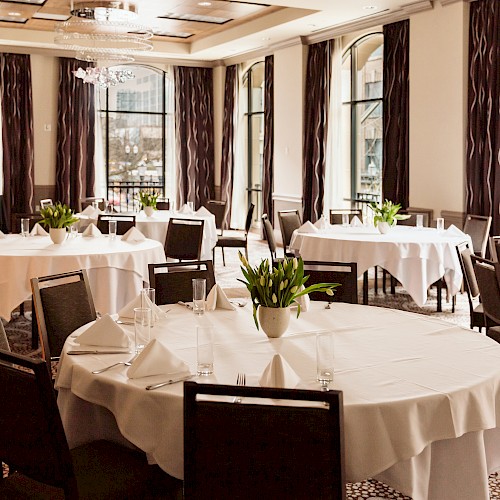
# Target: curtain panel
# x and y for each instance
(317, 101)
(228, 138)
(483, 138)
(267, 167)
(194, 134)
(395, 160)
(17, 136)
(75, 171)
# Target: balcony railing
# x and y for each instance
(123, 195)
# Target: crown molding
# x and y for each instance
(444, 3)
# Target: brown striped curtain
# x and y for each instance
(228, 137)
(75, 170)
(267, 167)
(17, 136)
(483, 138)
(317, 102)
(194, 134)
(395, 162)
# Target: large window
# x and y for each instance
(362, 67)
(136, 119)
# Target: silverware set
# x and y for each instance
(240, 380)
(124, 363)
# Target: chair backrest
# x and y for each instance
(218, 208)
(172, 281)
(63, 303)
(4, 341)
(269, 235)
(345, 273)
(83, 203)
(15, 226)
(261, 450)
(465, 258)
(184, 239)
(123, 222)
(47, 202)
(289, 221)
(163, 204)
(494, 248)
(32, 439)
(487, 280)
(412, 220)
(336, 214)
(478, 228)
(248, 222)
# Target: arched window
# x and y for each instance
(362, 93)
(137, 130)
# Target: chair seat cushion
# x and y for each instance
(494, 333)
(232, 241)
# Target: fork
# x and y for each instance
(240, 380)
(124, 363)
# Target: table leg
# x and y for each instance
(365, 288)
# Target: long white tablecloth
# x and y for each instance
(417, 258)
(421, 396)
(116, 269)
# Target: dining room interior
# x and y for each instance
(349, 146)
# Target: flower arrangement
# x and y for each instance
(387, 212)
(278, 286)
(147, 199)
(58, 216)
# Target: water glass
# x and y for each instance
(25, 227)
(324, 357)
(345, 220)
(112, 229)
(142, 324)
(420, 221)
(95, 205)
(440, 224)
(199, 291)
(205, 350)
(74, 230)
(147, 299)
(190, 205)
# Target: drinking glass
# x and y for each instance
(25, 227)
(190, 205)
(345, 220)
(73, 230)
(324, 357)
(199, 291)
(147, 299)
(420, 221)
(142, 324)
(440, 224)
(204, 350)
(112, 229)
(95, 204)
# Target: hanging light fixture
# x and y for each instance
(104, 32)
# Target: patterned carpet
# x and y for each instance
(19, 334)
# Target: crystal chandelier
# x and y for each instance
(103, 77)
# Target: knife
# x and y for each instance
(98, 352)
(189, 306)
(168, 382)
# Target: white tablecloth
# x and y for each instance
(417, 258)
(155, 227)
(421, 397)
(116, 268)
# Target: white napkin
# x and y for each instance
(157, 359)
(304, 301)
(92, 230)
(133, 235)
(454, 231)
(355, 222)
(38, 231)
(128, 310)
(2, 235)
(307, 227)
(203, 211)
(217, 299)
(185, 209)
(91, 212)
(104, 332)
(279, 373)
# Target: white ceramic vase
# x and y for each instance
(57, 234)
(274, 320)
(384, 227)
(149, 211)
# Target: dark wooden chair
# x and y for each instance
(238, 240)
(336, 214)
(47, 202)
(494, 248)
(271, 241)
(478, 228)
(162, 204)
(62, 303)
(83, 203)
(34, 446)
(345, 273)
(471, 287)
(289, 221)
(184, 239)
(172, 281)
(412, 220)
(123, 222)
(218, 208)
(489, 288)
(260, 450)
(15, 223)
(4, 341)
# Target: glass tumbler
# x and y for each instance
(199, 291)
(142, 327)
(25, 227)
(324, 357)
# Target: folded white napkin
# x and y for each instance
(355, 222)
(128, 310)
(133, 235)
(203, 211)
(304, 301)
(307, 227)
(157, 359)
(2, 235)
(38, 231)
(104, 332)
(185, 209)
(321, 223)
(454, 231)
(217, 299)
(279, 373)
(92, 230)
(91, 212)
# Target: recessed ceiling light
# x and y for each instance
(14, 14)
(204, 4)
(370, 7)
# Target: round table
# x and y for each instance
(421, 396)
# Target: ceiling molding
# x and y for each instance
(420, 6)
(444, 3)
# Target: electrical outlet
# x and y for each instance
(47, 127)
